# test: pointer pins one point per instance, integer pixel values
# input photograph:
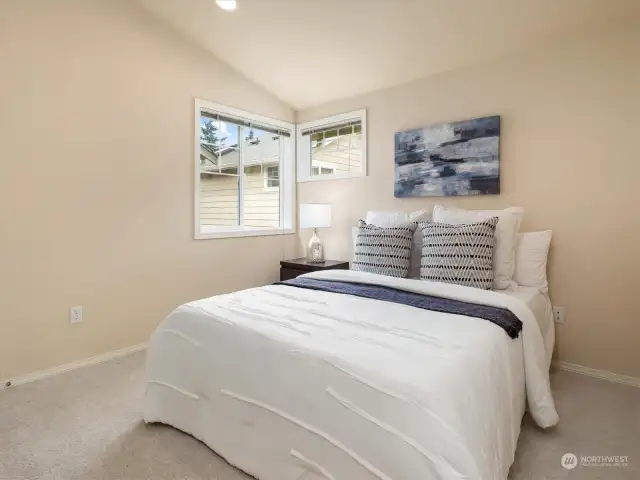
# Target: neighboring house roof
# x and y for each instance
(263, 150)
(332, 150)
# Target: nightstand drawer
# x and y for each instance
(289, 273)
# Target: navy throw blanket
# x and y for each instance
(502, 317)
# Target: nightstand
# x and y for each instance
(292, 268)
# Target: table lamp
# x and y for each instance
(315, 215)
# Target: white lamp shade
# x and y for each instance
(228, 5)
(315, 215)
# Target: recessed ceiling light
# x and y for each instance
(227, 4)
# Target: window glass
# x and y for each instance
(245, 173)
(219, 179)
(336, 150)
(261, 154)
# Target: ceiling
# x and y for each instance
(309, 52)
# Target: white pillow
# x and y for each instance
(504, 251)
(532, 250)
(396, 219)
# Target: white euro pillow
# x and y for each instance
(397, 219)
(504, 251)
(532, 250)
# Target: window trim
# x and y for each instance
(303, 157)
(321, 164)
(287, 177)
(265, 177)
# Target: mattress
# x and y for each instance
(540, 305)
(290, 384)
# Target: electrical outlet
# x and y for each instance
(75, 314)
(558, 314)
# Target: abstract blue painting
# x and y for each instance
(458, 158)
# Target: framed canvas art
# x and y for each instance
(457, 158)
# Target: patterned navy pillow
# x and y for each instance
(460, 254)
(385, 251)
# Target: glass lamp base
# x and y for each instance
(315, 250)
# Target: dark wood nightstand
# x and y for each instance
(292, 268)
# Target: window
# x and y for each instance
(332, 148)
(244, 173)
(317, 170)
(272, 177)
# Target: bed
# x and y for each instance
(540, 305)
(289, 383)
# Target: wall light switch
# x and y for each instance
(558, 314)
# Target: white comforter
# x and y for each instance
(294, 384)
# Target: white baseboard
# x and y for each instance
(592, 372)
(50, 372)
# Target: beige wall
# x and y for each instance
(569, 156)
(96, 182)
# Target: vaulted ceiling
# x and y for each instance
(309, 52)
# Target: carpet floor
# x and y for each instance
(87, 425)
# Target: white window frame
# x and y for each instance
(320, 164)
(266, 177)
(287, 176)
(303, 160)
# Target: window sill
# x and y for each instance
(253, 232)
